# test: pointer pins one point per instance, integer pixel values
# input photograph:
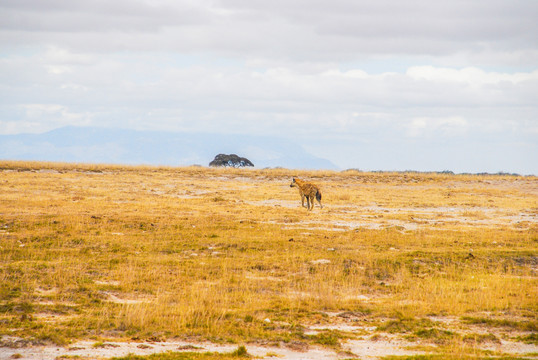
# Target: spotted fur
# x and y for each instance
(307, 190)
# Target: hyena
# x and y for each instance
(308, 191)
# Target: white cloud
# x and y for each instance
(338, 30)
(356, 73)
(60, 56)
(38, 118)
(470, 75)
(201, 94)
(59, 69)
(442, 127)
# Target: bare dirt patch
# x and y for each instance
(375, 349)
(90, 349)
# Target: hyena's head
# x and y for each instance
(293, 182)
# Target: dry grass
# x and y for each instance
(229, 255)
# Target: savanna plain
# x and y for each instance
(162, 263)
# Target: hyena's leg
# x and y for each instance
(308, 202)
(318, 198)
(302, 200)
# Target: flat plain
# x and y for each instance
(102, 261)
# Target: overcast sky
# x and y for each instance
(385, 84)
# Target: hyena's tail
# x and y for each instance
(318, 195)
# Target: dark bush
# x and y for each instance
(231, 160)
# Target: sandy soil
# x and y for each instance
(344, 218)
(86, 349)
(364, 347)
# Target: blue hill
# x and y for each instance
(118, 146)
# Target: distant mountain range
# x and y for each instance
(118, 146)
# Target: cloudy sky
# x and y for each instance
(385, 84)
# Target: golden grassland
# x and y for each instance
(229, 255)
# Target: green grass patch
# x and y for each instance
(529, 339)
(327, 338)
(437, 336)
(519, 325)
(405, 325)
(481, 338)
